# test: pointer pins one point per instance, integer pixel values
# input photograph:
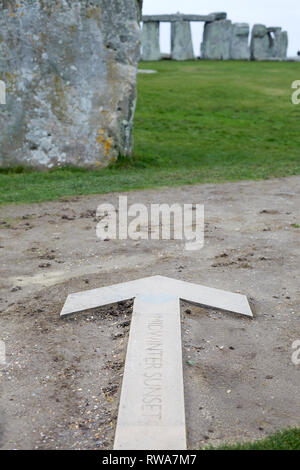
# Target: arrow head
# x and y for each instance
(162, 285)
(207, 296)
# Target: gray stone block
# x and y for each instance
(217, 40)
(150, 41)
(139, 4)
(219, 15)
(281, 45)
(178, 16)
(261, 43)
(181, 41)
(70, 73)
(268, 43)
(240, 49)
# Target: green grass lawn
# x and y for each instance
(196, 122)
(285, 440)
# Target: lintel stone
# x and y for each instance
(176, 17)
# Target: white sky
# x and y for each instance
(284, 13)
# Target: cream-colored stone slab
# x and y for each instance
(195, 293)
(208, 296)
(86, 300)
(151, 413)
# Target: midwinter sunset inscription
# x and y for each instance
(153, 377)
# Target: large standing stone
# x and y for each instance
(239, 42)
(217, 40)
(181, 41)
(261, 43)
(70, 72)
(150, 41)
(280, 44)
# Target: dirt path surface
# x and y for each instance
(61, 382)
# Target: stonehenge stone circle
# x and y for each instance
(70, 72)
(181, 41)
(222, 40)
(150, 41)
(239, 48)
(181, 35)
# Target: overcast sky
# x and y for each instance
(284, 13)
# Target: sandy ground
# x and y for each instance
(61, 383)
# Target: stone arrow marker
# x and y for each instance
(151, 412)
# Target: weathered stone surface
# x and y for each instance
(281, 45)
(177, 16)
(150, 41)
(261, 43)
(239, 42)
(273, 29)
(181, 41)
(269, 43)
(139, 4)
(2, 92)
(217, 40)
(70, 72)
(219, 15)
